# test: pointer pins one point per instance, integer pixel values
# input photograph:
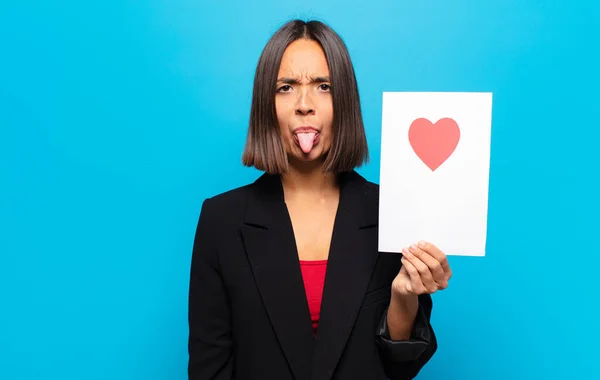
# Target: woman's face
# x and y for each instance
(303, 101)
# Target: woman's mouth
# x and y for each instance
(306, 138)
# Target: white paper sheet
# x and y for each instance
(434, 176)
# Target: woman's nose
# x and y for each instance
(305, 103)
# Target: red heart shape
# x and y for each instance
(434, 143)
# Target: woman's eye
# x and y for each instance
(325, 87)
(284, 88)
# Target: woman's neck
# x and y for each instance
(309, 182)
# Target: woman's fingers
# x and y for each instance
(416, 286)
(440, 256)
(426, 277)
(435, 267)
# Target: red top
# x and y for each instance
(313, 273)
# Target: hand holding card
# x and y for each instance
(425, 270)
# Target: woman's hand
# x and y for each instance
(425, 270)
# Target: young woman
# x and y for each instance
(286, 278)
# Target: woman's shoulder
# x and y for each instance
(233, 201)
(230, 199)
(369, 187)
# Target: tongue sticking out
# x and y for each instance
(306, 140)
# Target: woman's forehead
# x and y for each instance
(304, 59)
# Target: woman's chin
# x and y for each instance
(315, 156)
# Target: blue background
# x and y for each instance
(118, 118)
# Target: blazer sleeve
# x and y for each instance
(210, 343)
(404, 359)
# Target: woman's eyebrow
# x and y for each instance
(319, 79)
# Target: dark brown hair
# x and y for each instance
(264, 149)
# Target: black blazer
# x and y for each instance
(248, 312)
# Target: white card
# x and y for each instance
(434, 178)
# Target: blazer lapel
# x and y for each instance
(352, 259)
(271, 248)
